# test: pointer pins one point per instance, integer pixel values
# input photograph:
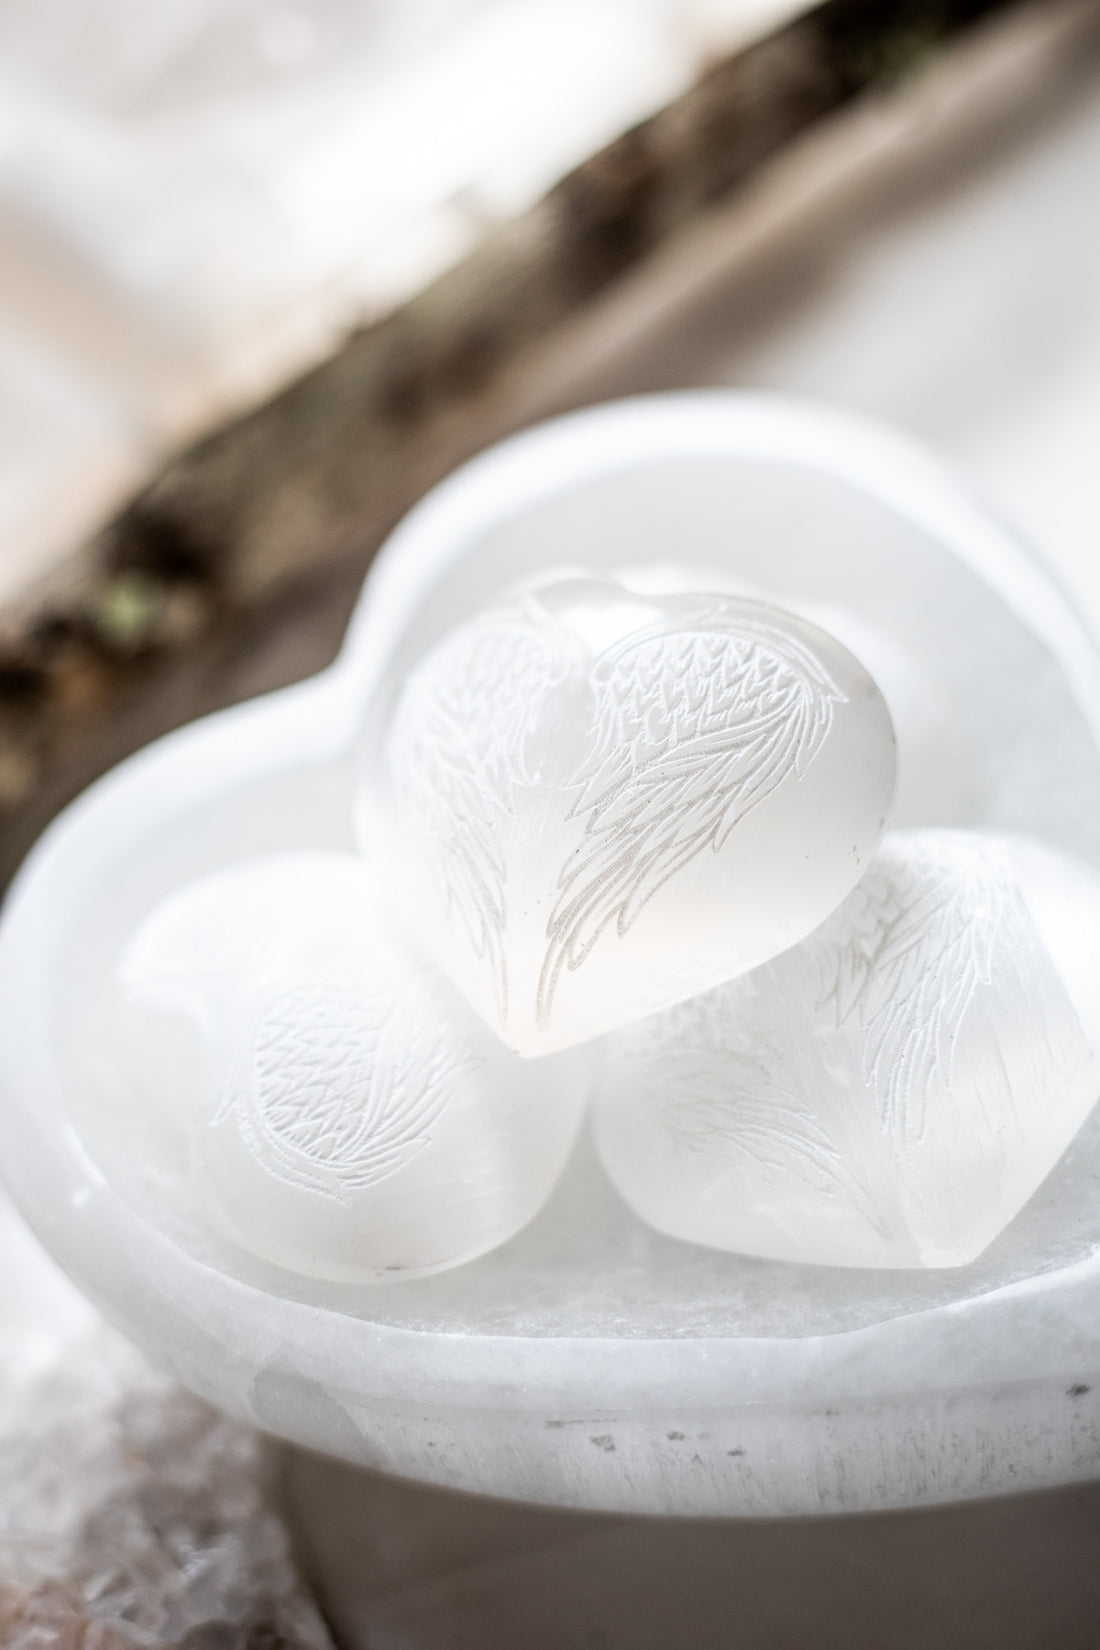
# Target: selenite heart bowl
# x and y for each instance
(590, 1361)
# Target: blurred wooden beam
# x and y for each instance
(234, 570)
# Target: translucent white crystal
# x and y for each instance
(891, 1091)
(351, 1118)
(597, 803)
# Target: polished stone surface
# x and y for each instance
(892, 1091)
(344, 1113)
(594, 803)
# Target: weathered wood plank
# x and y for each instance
(235, 569)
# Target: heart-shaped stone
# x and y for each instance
(594, 804)
(891, 1091)
(347, 1116)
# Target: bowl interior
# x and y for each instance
(994, 729)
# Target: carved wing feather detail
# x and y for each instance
(695, 725)
(457, 752)
(919, 944)
(340, 1096)
(725, 1081)
(738, 1109)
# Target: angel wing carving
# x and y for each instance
(457, 751)
(919, 939)
(727, 1081)
(337, 1093)
(696, 722)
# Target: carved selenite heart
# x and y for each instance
(890, 1092)
(596, 804)
(345, 1113)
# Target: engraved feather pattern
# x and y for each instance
(337, 1091)
(457, 751)
(920, 935)
(721, 1082)
(697, 721)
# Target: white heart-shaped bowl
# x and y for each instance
(590, 1361)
